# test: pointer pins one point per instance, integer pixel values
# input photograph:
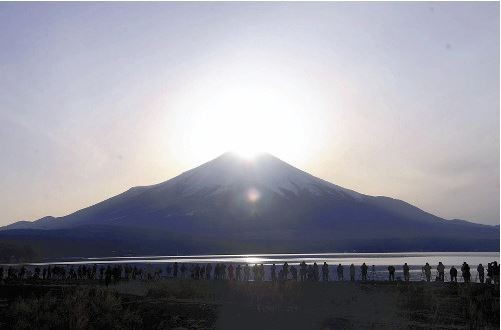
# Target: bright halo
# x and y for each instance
(243, 109)
(247, 153)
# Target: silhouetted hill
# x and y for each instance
(231, 204)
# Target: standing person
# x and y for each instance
(373, 273)
(427, 271)
(175, 269)
(340, 272)
(294, 273)
(273, 273)
(316, 273)
(246, 272)
(495, 272)
(454, 274)
(101, 273)
(309, 273)
(285, 271)
(197, 271)
(230, 272)
(480, 271)
(490, 274)
(183, 270)
(465, 272)
(168, 270)
(325, 272)
(107, 274)
(391, 273)
(261, 273)
(406, 272)
(441, 271)
(364, 269)
(215, 272)
(352, 272)
(208, 271)
(223, 271)
(238, 271)
(302, 271)
(255, 271)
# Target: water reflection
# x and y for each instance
(377, 259)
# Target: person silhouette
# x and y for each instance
(364, 269)
(309, 273)
(316, 274)
(406, 272)
(325, 272)
(480, 271)
(255, 271)
(495, 270)
(238, 271)
(391, 273)
(454, 274)
(294, 273)
(465, 272)
(246, 272)
(340, 272)
(273, 273)
(285, 271)
(208, 271)
(441, 271)
(302, 271)
(427, 271)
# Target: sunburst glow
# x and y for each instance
(246, 110)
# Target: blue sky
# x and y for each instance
(395, 99)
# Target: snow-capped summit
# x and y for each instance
(231, 171)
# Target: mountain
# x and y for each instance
(232, 204)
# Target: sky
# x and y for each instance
(392, 99)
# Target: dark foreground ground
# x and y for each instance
(187, 304)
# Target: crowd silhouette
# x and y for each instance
(113, 273)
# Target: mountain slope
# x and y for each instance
(260, 204)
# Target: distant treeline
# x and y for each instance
(15, 253)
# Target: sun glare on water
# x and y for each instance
(252, 260)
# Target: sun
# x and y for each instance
(245, 153)
(248, 111)
(248, 149)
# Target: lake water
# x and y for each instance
(377, 259)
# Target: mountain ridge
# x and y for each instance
(262, 201)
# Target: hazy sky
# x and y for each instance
(395, 99)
